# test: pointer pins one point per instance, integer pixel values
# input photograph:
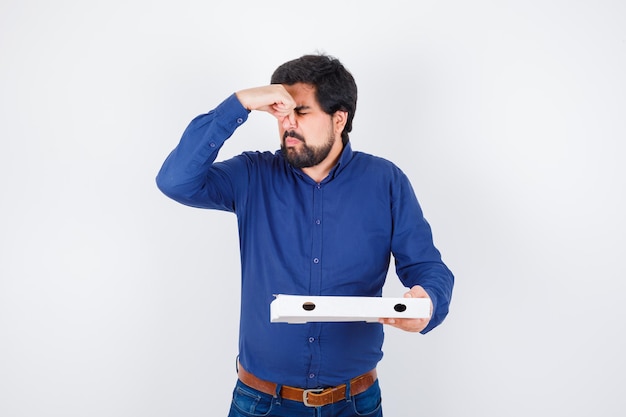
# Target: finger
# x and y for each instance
(283, 108)
(279, 112)
(411, 294)
(292, 117)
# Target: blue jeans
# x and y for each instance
(248, 402)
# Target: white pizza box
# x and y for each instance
(307, 308)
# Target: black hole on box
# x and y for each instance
(308, 306)
(400, 307)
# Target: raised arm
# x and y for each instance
(189, 174)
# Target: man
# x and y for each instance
(315, 218)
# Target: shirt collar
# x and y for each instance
(344, 159)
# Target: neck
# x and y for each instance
(321, 170)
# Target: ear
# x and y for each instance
(340, 118)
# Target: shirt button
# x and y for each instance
(316, 260)
(318, 186)
(311, 376)
(311, 339)
(318, 221)
(239, 120)
(212, 144)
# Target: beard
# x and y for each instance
(307, 156)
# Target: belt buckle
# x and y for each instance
(305, 395)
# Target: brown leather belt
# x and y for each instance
(310, 397)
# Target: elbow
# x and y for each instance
(168, 186)
(183, 192)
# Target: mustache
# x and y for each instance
(293, 134)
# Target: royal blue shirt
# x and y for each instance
(300, 237)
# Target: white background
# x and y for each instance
(508, 117)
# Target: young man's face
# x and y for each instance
(313, 136)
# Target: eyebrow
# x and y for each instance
(303, 107)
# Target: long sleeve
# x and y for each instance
(418, 262)
(189, 174)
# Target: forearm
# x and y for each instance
(438, 281)
(184, 173)
(418, 261)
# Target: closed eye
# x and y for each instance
(301, 110)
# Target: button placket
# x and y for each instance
(316, 246)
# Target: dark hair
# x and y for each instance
(335, 88)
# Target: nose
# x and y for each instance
(289, 122)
